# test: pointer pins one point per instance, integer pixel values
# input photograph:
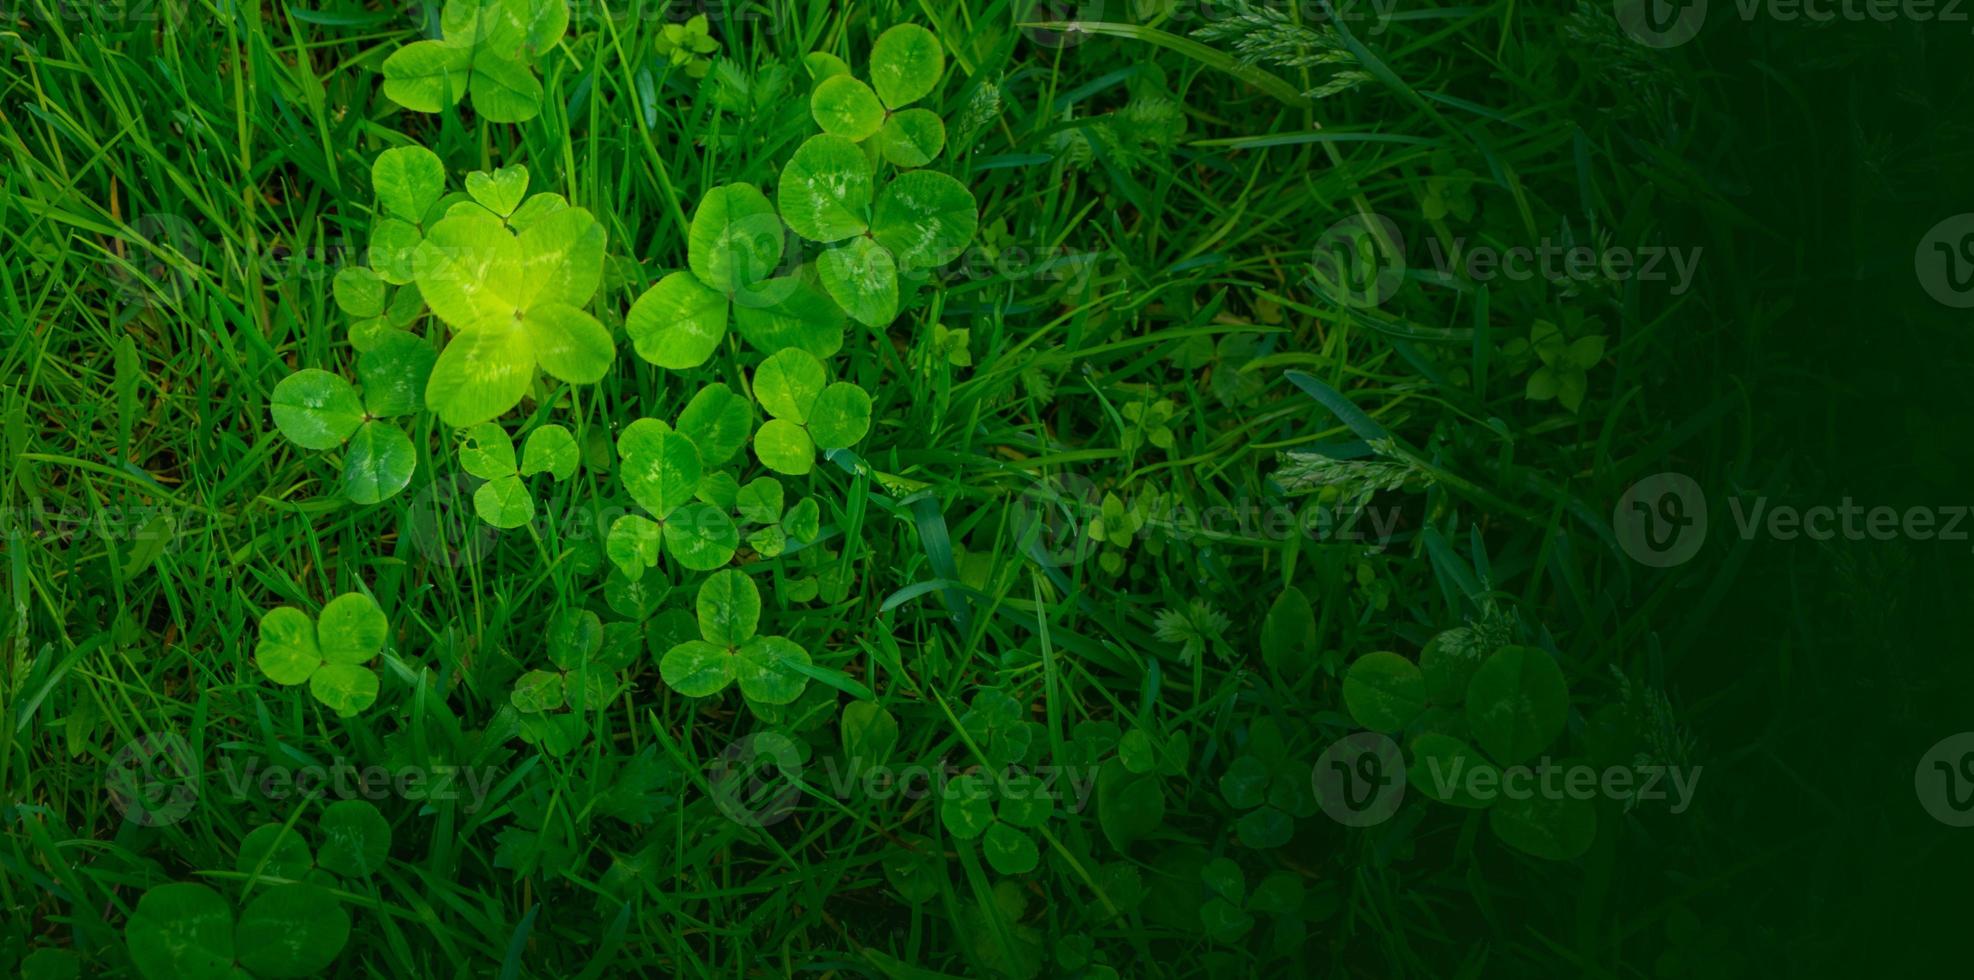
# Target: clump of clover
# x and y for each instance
(328, 654)
(1513, 702)
(293, 926)
(488, 51)
(729, 651)
(586, 656)
(508, 275)
(919, 220)
(1002, 802)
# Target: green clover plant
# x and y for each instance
(509, 275)
(487, 51)
(487, 452)
(1268, 786)
(1000, 817)
(586, 655)
(733, 247)
(767, 668)
(905, 64)
(662, 469)
(806, 412)
(329, 653)
(688, 46)
(759, 502)
(292, 926)
(315, 409)
(1516, 702)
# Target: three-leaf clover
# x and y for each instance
(687, 46)
(1148, 422)
(512, 300)
(487, 452)
(806, 412)
(732, 249)
(759, 502)
(487, 51)
(1268, 786)
(662, 470)
(579, 647)
(905, 65)
(920, 220)
(998, 726)
(319, 410)
(729, 651)
(329, 654)
(1565, 364)
(1000, 817)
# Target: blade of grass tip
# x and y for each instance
(510, 965)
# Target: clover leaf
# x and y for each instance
(767, 668)
(732, 249)
(487, 452)
(181, 930)
(1564, 374)
(487, 52)
(356, 839)
(998, 726)
(759, 502)
(687, 45)
(329, 655)
(920, 220)
(512, 300)
(846, 107)
(718, 422)
(662, 470)
(1384, 691)
(315, 409)
(1517, 703)
(905, 63)
(1000, 817)
(580, 650)
(806, 412)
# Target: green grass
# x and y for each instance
(178, 196)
